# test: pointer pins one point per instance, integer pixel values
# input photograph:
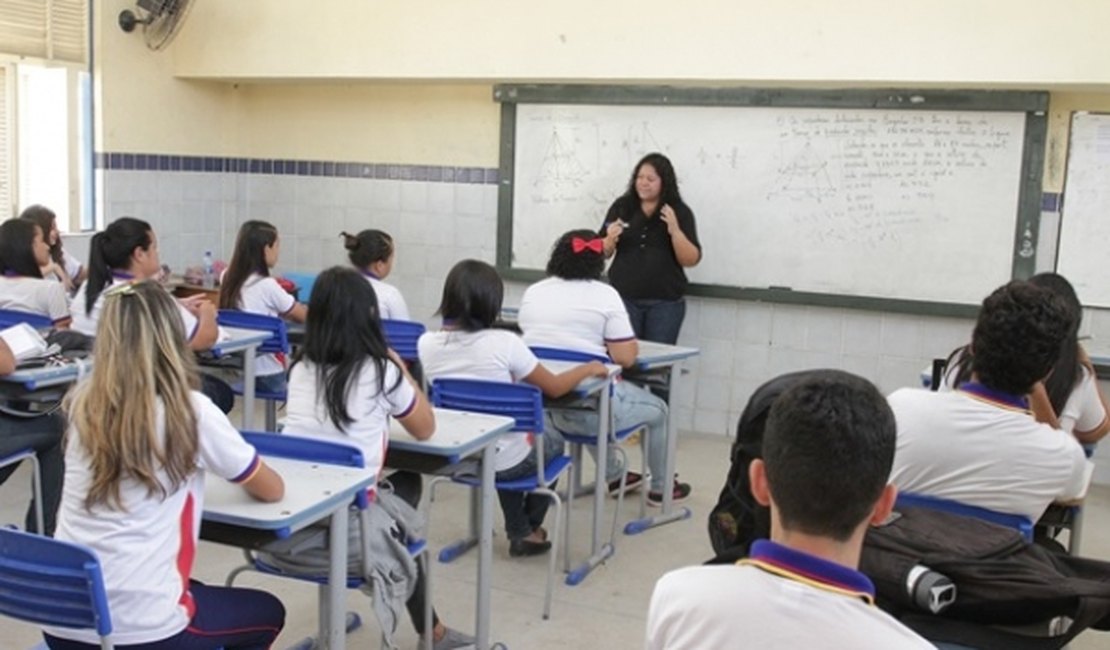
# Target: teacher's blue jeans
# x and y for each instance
(656, 320)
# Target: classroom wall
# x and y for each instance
(981, 44)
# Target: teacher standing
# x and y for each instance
(651, 233)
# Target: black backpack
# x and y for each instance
(737, 520)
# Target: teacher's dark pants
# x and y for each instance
(656, 320)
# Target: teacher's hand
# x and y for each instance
(668, 216)
(614, 231)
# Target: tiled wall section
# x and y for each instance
(436, 223)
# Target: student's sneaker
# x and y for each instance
(453, 640)
(681, 493)
(632, 482)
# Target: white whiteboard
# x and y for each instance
(1085, 219)
(919, 205)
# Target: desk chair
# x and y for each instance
(615, 439)
(523, 403)
(278, 343)
(1018, 522)
(48, 582)
(36, 481)
(402, 335)
(9, 317)
(332, 453)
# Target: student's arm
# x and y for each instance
(685, 251)
(420, 420)
(623, 353)
(298, 313)
(558, 385)
(1042, 406)
(265, 485)
(206, 331)
(1099, 432)
(7, 359)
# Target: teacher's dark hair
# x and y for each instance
(583, 265)
(662, 165)
(17, 252)
(472, 296)
(342, 333)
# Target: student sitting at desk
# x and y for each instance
(126, 251)
(140, 444)
(23, 253)
(346, 383)
(574, 310)
(43, 434)
(66, 268)
(1069, 398)
(827, 451)
(372, 253)
(247, 286)
(468, 348)
(980, 444)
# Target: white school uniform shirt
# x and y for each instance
(579, 315)
(263, 295)
(369, 404)
(726, 606)
(980, 452)
(86, 322)
(391, 304)
(147, 548)
(71, 265)
(35, 296)
(1083, 411)
(492, 355)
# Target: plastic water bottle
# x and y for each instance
(208, 280)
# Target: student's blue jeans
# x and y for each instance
(43, 434)
(656, 320)
(524, 512)
(226, 617)
(631, 405)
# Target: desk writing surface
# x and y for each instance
(311, 490)
(35, 378)
(651, 354)
(587, 386)
(457, 433)
(238, 339)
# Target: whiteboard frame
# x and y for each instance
(1034, 104)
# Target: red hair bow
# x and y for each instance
(596, 245)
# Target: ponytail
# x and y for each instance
(111, 249)
(367, 247)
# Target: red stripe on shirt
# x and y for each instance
(187, 552)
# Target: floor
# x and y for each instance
(607, 611)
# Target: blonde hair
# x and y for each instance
(141, 358)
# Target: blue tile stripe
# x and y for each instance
(118, 160)
(1052, 202)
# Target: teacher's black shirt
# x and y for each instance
(644, 264)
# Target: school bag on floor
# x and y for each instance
(1000, 579)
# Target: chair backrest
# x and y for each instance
(49, 582)
(522, 402)
(278, 343)
(559, 354)
(1018, 522)
(9, 317)
(402, 335)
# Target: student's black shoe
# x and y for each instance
(525, 548)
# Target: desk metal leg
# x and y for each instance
(249, 356)
(669, 513)
(485, 549)
(599, 551)
(335, 622)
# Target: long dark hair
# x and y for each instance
(17, 248)
(668, 193)
(46, 219)
(249, 257)
(343, 332)
(367, 247)
(472, 295)
(111, 249)
(1067, 372)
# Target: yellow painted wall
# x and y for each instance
(980, 43)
